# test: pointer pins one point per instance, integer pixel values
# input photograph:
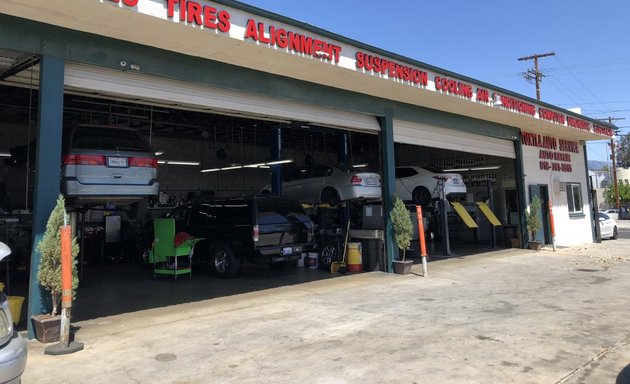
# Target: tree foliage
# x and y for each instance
(49, 273)
(622, 151)
(401, 222)
(532, 219)
(624, 194)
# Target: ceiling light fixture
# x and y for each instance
(257, 165)
(456, 170)
(363, 165)
(276, 162)
(488, 168)
(5, 154)
(178, 162)
(254, 165)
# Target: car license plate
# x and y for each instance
(287, 250)
(370, 181)
(117, 162)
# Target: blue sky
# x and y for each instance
(483, 39)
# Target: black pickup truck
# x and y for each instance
(263, 228)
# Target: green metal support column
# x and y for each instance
(520, 190)
(48, 168)
(388, 183)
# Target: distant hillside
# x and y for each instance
(596, 165)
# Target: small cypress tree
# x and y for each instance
(49, 273)
(532, 219)
(403, 227)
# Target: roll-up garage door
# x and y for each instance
(107, 82)
(437, 137)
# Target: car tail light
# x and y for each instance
(84, 159)
(147, 162)
(356, 180)
(255, 233)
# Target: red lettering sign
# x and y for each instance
(391, 69)
(447, 85)
(483, 95)
(515, 104)
(129, 3)
(193, 12)
(296, 42)
(603, 130)
(578, 123)
(550, 115)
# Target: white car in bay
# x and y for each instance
(612, 213)
(420, 185)
(607, 227)
(331, 185)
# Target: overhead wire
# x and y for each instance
(580, 82)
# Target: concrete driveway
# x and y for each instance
(511, 316)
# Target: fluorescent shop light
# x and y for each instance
(253, 165)
(178, 162)
(276, 162)
(488, 168)
(232, 167)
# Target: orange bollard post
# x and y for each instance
(66, 267)
(65, 346)
(423, 246)
(552, 225)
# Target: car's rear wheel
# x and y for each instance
(224, 262)
(421, 196)
(615, 233)
(328, 253)
(330, 196)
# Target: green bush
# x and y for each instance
(49, 273)
(403, 227)
(533, 221)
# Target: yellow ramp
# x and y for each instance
(463, 213)
(488, 213)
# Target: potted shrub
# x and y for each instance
(403, 229)
(533, 223)
(49, 274)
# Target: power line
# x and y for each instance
(580, 81)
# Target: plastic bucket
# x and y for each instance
(311, 260)
(355, 257)
(300, 262)
(15, 306)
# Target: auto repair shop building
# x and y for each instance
(226, 58)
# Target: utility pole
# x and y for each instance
(614, 164)
(535, 74)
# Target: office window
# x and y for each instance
(574, 197)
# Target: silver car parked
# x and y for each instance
(331, 185)
(12, 347)
(108, 163)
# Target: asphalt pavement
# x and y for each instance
(509, 316)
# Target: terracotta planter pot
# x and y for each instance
(47, 328)
(402, 267)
